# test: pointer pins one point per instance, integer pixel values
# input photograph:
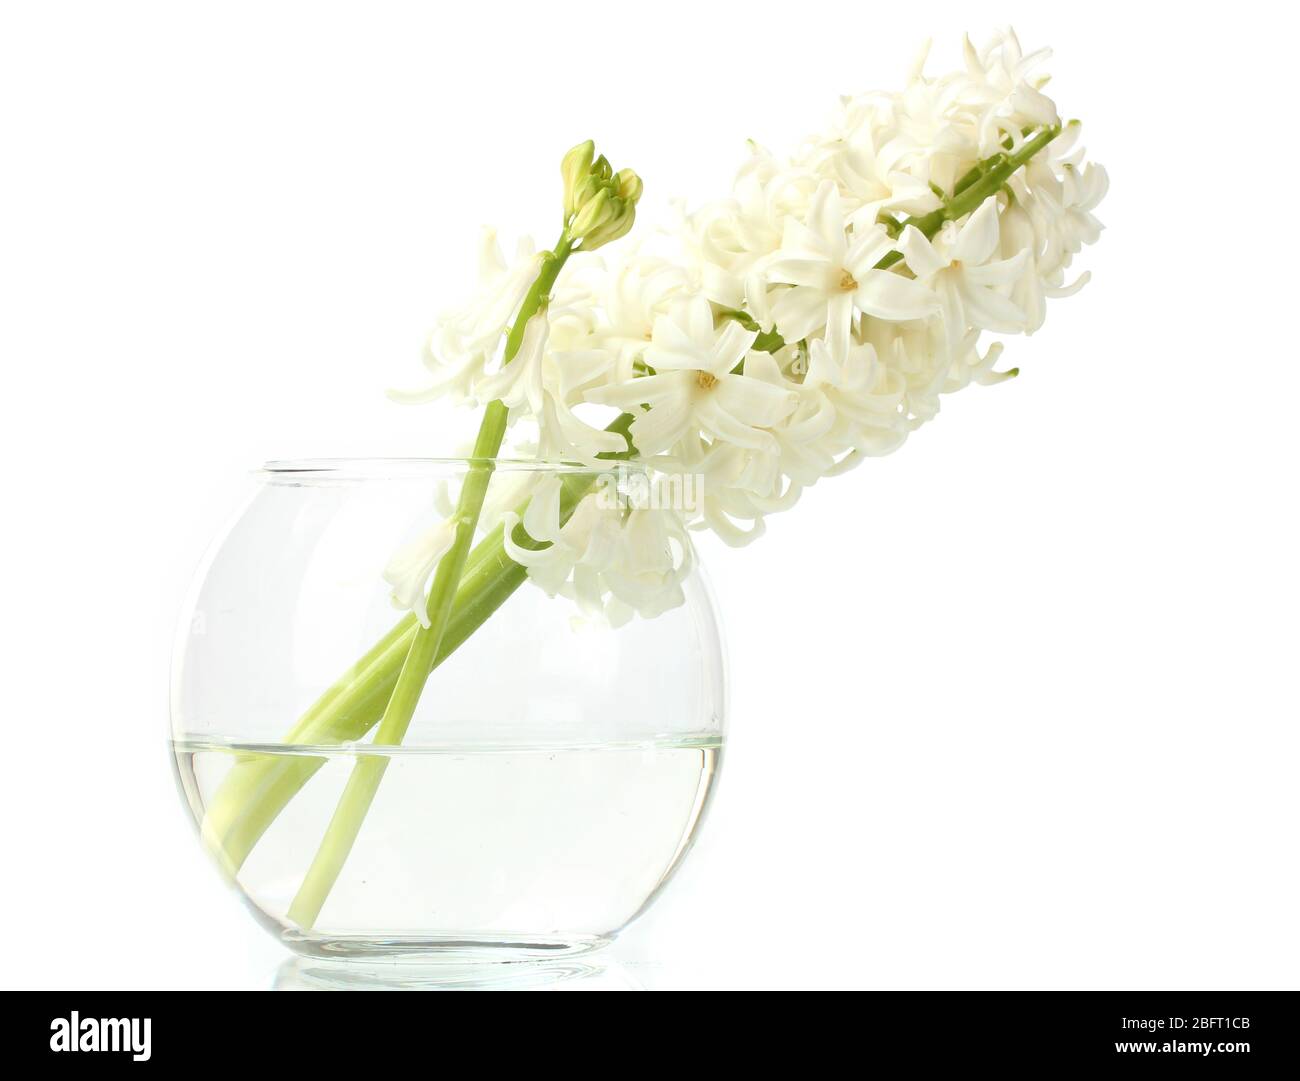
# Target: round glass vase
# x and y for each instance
(556, 770)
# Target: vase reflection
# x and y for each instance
(575, 974)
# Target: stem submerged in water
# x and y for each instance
(422, 653)
(258, 787)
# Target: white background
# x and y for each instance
(1037, 670)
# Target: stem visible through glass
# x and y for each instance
(369, 768)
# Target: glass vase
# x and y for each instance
(562, 756)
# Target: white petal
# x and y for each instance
(491, 263)
(753, 401)
(919, 253)
(520, 381)
(719, 422)
(1058, 291)
(826, 219)
(954, 314)
(756, 300)
(647, 390)
(671, 347)
(869, 246)
(1000, 272)
(548, 567)
(563, 434)
(798, 312)
(800, 242)
(663, 425)
(891, 296)
(412, 565)
(839, 323)
(978, 238)
(726, 528)
(817, 274)
(698, 320)
(542, 515)
(732, 345)
(992, 311)
(418, 397)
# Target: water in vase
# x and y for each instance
(542, 847)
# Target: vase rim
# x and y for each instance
(360, 468)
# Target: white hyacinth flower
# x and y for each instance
(519, 383)
(465, 341)
(695, 386)
(759, 346)
(833, 276)
(971, 285)
(613, 562)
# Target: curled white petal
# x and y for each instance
(412, 565)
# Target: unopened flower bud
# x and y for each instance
(576, 168)
(588, 188)
(594, 213)
(599, 204)
(629, 185)
(612, 229)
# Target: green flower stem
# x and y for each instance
(972, 189)
(259, 786)
(422, 653)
